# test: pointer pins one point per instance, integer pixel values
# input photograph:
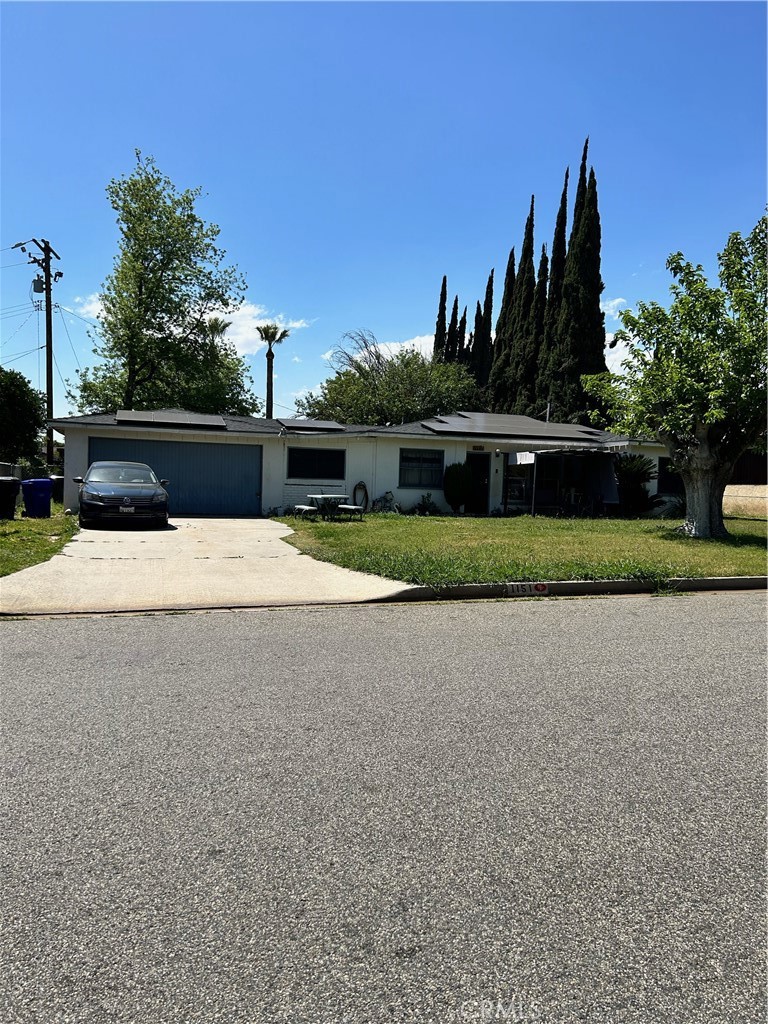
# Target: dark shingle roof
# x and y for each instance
(463, 424)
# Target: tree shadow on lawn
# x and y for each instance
(733, 540)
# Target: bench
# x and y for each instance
(305, 510)
(351, 510)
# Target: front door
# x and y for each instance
(480, 468)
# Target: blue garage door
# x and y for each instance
(205, 479)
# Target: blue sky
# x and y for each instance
(353, 153)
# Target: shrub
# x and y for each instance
(457, 484)
(632, 473)
(425, 506)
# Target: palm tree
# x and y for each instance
(215, 327)
(271, 334)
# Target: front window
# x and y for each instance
(316, 463)
(421, 467)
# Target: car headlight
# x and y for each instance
(91, 495)
(158, 497)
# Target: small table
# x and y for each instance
(327, 504)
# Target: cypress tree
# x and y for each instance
(500, 362)
(580, 344)
(581, 193)
(532, 406)
(461, 349)
(438, 349)
(544, 380)
(452, 338)
(517, 390)
(507, 298)
(482, 352)
(593, 338)
(476, 340)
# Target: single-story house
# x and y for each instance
(240, 465)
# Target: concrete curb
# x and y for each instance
(412, 593)
(574, 588)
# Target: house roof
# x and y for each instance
(476, 425)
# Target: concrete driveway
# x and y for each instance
(195, 563)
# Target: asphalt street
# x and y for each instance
(545, 811)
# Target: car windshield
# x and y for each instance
(126, 474)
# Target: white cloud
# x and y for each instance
(327, 355)
(295, 359)
(611, 307)
(423, 343)
(244, 322)
(90, 306)
(303, 392)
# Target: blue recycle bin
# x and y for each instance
(37, 498)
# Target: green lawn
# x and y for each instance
(25, 542)
(442, 551)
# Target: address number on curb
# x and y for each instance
(527, 590)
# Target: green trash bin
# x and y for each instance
(9, 492)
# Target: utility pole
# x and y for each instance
(44, 262)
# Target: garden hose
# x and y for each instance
(360, 501)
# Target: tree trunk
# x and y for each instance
(704, 489)
(270, 362)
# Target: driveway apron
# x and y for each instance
(195, 563)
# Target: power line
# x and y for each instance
(7, 266)
(68, 337)
(43, 284)
(56, 364)
(21, 312)
(16, 305)
(91, 323)
(29, 317)
(21, 355)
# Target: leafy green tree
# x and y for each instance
(271, 334)
(22, 417)
(168, 280)
(371, 387)
(695, 375)
(209, 377)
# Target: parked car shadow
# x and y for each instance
(124, 527)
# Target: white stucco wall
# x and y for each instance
(374, 461)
